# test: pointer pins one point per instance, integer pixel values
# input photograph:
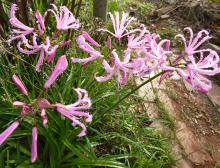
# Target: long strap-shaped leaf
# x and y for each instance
(134, 90)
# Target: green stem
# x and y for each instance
(134, 90)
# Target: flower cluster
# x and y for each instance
(145, 53)
(40, 42)
(30, 41)
(74, 112)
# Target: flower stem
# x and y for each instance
(134, 90)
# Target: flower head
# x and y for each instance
(120, 26)
(64, 18)
(196, 71)
(194, 43)
(137, 42)
(94, 54)
(119, 68)
(29, 48)
(74, 111)
(19, 29)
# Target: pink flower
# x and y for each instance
(156, 57)
(150, 57)
(64, 18)
(194, 43)
(74, 111)
(120, 26)
(25, 108)
(29, 48)
(90, 39)
(47, 51)
(120, 68)
(44, 49)
(20, 85)
(159, 53)
(19, 28)
(44, 117)
(195, 70)
(138, 41)
(94, 54)
(51, 53)
(34, 145)
(60, 67)
(44, 104)
(40, 22)
(4, 135)
(109, 70)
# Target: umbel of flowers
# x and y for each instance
(141, 54)
(22, 35)
(145, 53)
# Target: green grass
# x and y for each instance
(120, 137)
(168, 120)
(215, 1)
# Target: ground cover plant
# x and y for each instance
(100, 125)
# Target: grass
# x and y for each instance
(138, 8)
(120, 137)
(164, 114)
(215, 1)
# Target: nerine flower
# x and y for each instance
(159, 53)
(27, 47)
(119, 68)
(64, 18)
(75, 111)
(94, 54)
(137, 41)
(196, 71)
(60, 67)
(194, 43)
(120, 25)
(151, 57)
(19, 29)
(47, 52)
(34, 43)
